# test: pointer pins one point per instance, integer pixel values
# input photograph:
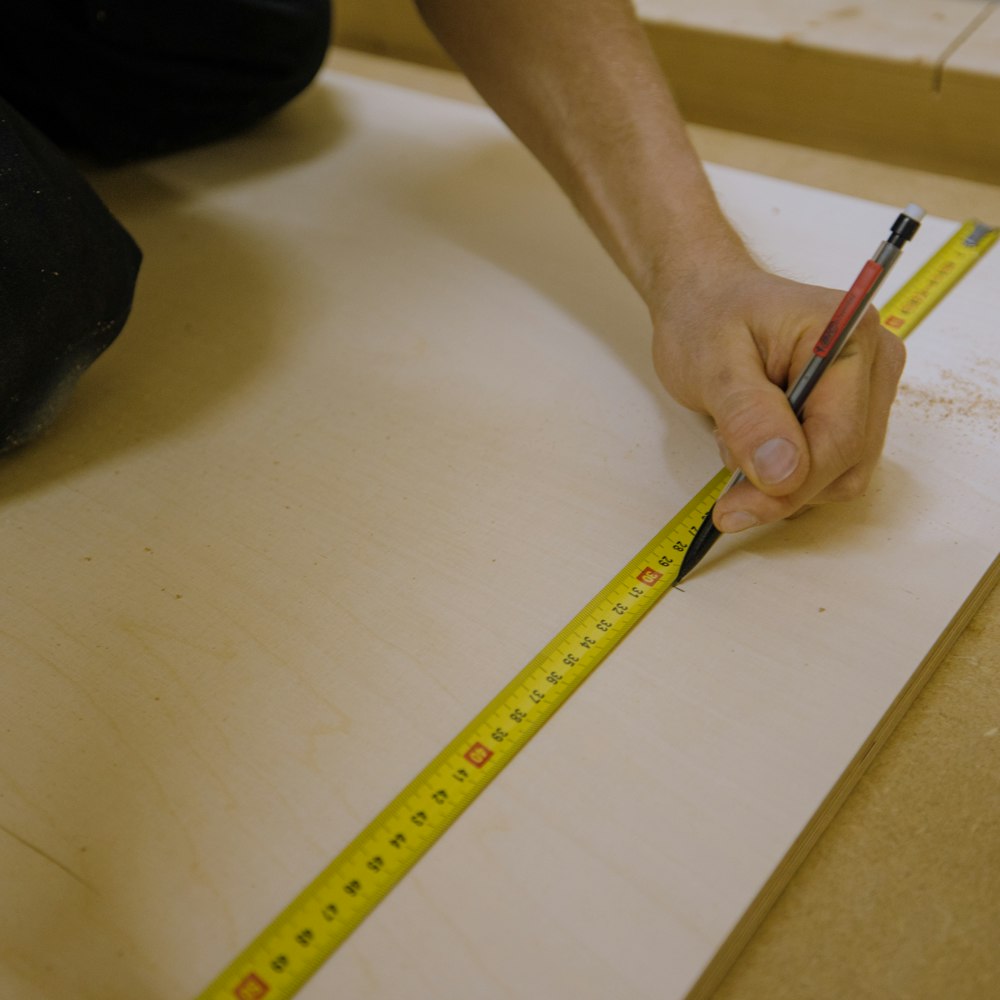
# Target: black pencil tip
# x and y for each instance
(705, 537)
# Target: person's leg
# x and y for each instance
(120, 79)
(67, 271)
(116, 79)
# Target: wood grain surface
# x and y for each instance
(898, 898)
(383, 421)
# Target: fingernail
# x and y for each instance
(775, 460)
(737, 520)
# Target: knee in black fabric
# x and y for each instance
(152, 77)
(67, 274)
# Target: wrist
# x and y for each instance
(686, 268)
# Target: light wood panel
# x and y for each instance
(367, 469)
(898, 898)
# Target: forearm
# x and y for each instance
(578, 84)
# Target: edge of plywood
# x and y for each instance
(388, 28)
(904, 112)
(716, 970)
(915, 112)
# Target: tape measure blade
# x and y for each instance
(914, 301)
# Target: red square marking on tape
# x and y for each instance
(649, 576)
(252, 987)
(477, 754)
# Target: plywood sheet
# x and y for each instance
(384, 420)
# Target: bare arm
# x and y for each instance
(578, 84)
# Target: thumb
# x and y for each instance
(760, 434)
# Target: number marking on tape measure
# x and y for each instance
(280, 960)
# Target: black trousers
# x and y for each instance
(114, 80)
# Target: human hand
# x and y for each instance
(731, 348)
(579, 84)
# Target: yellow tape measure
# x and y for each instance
(326, 912)
(927, 287)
